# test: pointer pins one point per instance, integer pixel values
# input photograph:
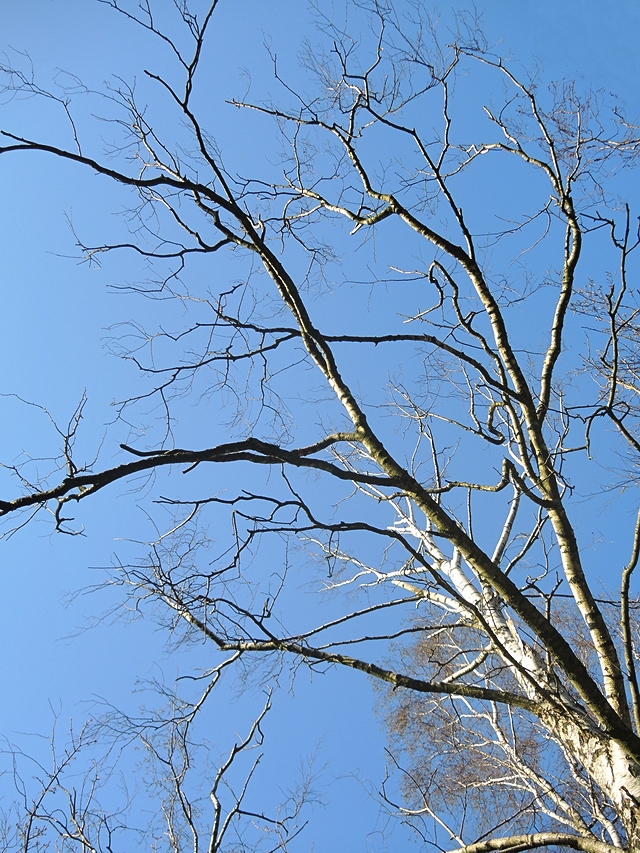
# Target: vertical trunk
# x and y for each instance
(610, 767)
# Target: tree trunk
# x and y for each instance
(615, 772)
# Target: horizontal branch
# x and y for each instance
(275, 644)
(468, 691)
(434, 341)
(376, 340)
(516, 843)
(81, 485)
(181, 183)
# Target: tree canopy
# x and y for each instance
(381, 381)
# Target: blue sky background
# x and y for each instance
(55, 319)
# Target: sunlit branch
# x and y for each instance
(517, 843)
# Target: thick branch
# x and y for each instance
(517, 843)
(80, 486)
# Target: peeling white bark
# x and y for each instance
(604, 760)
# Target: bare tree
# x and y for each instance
(415, 450)
(70, 803)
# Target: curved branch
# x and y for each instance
(517, 843)
(80, 485)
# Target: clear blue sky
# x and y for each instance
(57, 314)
